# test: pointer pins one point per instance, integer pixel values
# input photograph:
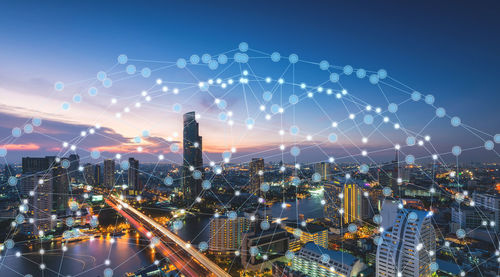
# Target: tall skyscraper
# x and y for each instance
(133, 175)
(88, 174)
(193, 160)
(73, 171)
(37, 189)
(323, 169)
(97, 175)
(109, 173)
(256, 175)
(406, 245)
(352, 202)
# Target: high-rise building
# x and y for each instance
(323, 169)
(193, 160)
(406, 246)
(352, 202)
(74, 164)
(61, 188)
(314, 260)
(256, 175)
(333, 203)
(97, 175)
(133, 175)
(88, 174)
(109, 173)
(226, 234)
(37, 189)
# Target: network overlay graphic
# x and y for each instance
(250, 162)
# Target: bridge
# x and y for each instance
(187, 259)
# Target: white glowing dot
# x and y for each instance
(396, 126)
(268, 80)
(138, 105)
(281, 81)
(91, 130)
(434, 157)
(18, 254)
(310, 94)
(420, 142)
(334, 124)
(113, 101)
(107, 262)
(352, 116)
(83, 133)
(144, 93)
(65, 144)
(368, 108)
(73, 147)
(344, 92)
(139, 149)
(159, 81)
(127, 109)
(338, 95)
(282, 147)
(386, 119)
(161, 157)
(164, 88)
(348, 176)
(42, 266)
(118, 115)
(364, 140)
(329, 91)
(319, 89)
(397, 146)
(378, 110)
(302, 86)
(331, 159)
(268, 116)
(262, 107)
(281, 132)
(118, 156)
(364, 153)
(217, 101)
(309, 137)
(176, 91)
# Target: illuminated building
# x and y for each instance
(133, 175)
(314, 260)
(309, 233)
(323, 169)
(109, 173)
(226, 234)
(256, 175)
(333, 203)
(88, 174)
(406, 245)
(193, 160)
(352, 202)
(37, 189)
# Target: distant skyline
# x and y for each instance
(451, 53)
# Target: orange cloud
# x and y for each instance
(20, 147)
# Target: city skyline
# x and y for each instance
(263, 138)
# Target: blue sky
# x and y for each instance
(449, 49)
